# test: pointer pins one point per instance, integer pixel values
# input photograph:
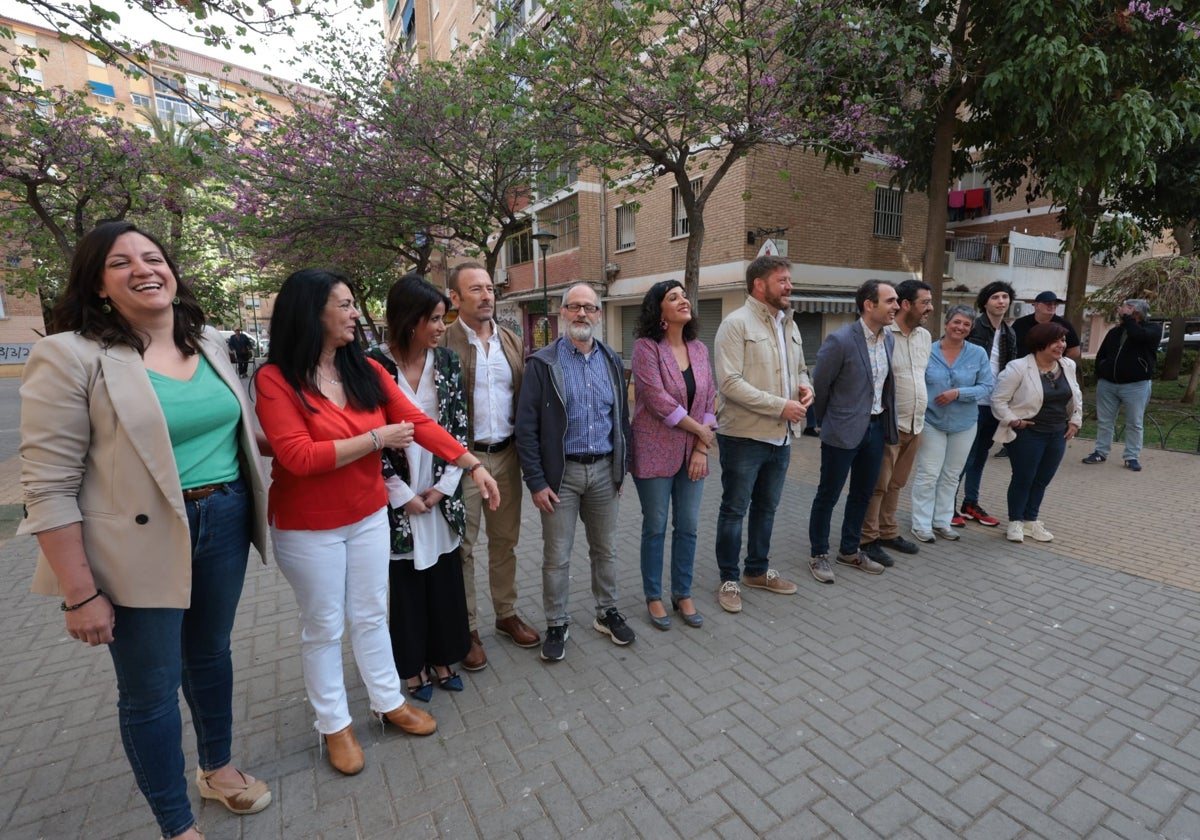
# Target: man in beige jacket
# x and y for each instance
(492, 364)
(763, 392)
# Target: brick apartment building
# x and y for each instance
(185, 82)
(838, 230)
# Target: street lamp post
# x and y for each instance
(544, 239)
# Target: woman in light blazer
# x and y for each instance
(673, 422)
(142, 483)
(1039, 407)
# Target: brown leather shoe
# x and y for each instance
(476, 659)
(411, 720)
(517, 630)
(345, 754)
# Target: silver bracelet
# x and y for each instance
(375, 441)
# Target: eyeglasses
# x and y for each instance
(589, 308)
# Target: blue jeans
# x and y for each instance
(1035, 456)
(752, 474)
(977, 460)
(862, 465)
(681, 496)
(1109, 398)
(155, 650)
(587, 493)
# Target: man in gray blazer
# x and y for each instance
(855, 407)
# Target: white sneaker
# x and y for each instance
(1016, 531)
(1037, 531)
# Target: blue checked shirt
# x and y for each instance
(590, 400)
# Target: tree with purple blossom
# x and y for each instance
(676, 89)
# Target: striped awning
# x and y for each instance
(830, 304)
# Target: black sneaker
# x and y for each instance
(613, 624)
(875, 551)
(900, 544)
(1095, 458)
(554, 649)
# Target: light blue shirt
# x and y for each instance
(971, 374)
(590, 400)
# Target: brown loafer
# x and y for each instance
(345, 754)
(517, 630)
(247, 796)
(411, 720)
(476, 659)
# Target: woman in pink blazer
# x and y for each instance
(673, 422)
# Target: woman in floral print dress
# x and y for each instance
(428, 619)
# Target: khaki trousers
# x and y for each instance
(898, 460)
(503, 527)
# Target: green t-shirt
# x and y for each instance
(202, 419)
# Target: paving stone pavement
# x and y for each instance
(978, 690)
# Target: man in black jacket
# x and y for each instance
(1124, 369)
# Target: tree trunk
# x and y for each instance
(1173, 361)
(1189, 393)
(691, 262)
(933, 265)
(1081, 255)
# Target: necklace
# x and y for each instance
(1051, 376)
(328, 379)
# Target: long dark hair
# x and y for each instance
(297, 337)
(81, 309)
(409, 302)
(649, 323)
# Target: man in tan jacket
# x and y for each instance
(492, 364)
(763, 392)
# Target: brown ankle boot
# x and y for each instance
(345, 754)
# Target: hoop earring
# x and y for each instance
(663, 324)
(105, 306)
(175, 300)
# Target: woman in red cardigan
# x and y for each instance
(327, 411)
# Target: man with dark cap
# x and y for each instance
(1124, 369)
(1045, 310)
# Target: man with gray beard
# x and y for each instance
(572, 434)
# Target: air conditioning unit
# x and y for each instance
(501, 277)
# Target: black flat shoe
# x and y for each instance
(693, 619)
(422, 692)
(450, 682)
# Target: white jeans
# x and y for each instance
(337, 576)
(939, 464)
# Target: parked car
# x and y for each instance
(1191, 341)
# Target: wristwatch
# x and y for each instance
(473, 467)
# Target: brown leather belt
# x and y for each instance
(195, 494)
(493, 448)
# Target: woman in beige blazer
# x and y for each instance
(1039, 408)
(143, 485)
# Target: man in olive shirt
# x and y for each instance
(492, 364)
(910, 357)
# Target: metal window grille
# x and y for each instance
(626, 227)
(562, 219)
(519, 246)
(679, 220)
(889, 213)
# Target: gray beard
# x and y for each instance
(581, 332)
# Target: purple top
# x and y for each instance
(660, 448)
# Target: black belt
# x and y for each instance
(589, 459)
(195, 494)
(493, 448)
